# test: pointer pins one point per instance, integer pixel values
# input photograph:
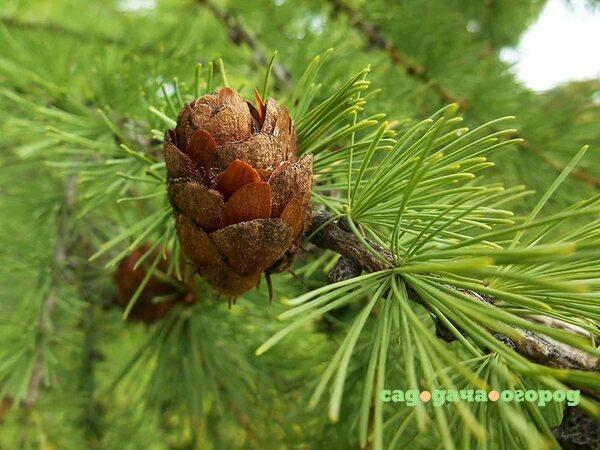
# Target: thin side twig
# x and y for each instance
(44, 326)
(377, 39)
(240, 36)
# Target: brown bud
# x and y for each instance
(146, 309)
(239, 193)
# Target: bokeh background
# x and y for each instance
(537, 60)
(534, 59)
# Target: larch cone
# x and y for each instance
(240, 194)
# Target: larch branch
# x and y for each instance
(330, 234)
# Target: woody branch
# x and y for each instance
(330, 234)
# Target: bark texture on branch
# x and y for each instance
(535, 347)
(578, 430)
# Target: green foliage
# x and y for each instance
(88, 89)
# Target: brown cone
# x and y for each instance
(239, 192)
(128, 279)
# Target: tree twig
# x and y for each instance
(376, 39)
(536, 347)
(240, 36)
(44, 326)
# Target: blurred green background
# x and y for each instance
(79, 55)
(424, 54)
